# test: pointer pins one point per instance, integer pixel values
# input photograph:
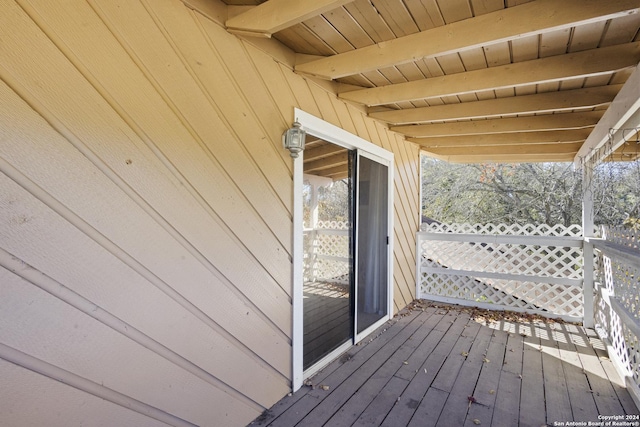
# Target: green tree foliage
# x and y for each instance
(333, 202)
(538, 193)
(617, 194)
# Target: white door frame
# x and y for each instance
(317, 127)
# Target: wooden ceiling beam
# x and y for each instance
(275, 15)
(335, 172)
(586, 63)
(504, 139)
(340, 176)
(336, 175)
(520, 150)
(565, 100)
(321, 152)
(504, 158)
(507, 24)
(327, 162)
(547, 122)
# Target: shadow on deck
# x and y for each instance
(442, 365)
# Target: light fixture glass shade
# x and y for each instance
(293, 139)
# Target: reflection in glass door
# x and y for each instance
(372, 303)
(327, 240)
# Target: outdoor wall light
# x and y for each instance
(293, 139)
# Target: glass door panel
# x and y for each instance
(328, 260)
(372, 225)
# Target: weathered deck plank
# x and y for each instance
(506, 412)
(488, 381)
(429, 358)
(421, 368)
(455, 409)
(583, 405)
(558, 406)
(430, 409)
(532, 408)
(335, 400)
(377, 383)
(312, 397)
(293, 407)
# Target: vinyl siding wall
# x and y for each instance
(146, 214)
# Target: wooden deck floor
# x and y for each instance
(423, 367)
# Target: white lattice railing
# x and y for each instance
(617, 301)
(327, 252)
(537, 269)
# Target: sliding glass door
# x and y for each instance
(342, 244)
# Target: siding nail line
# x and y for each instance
(60, 291)
(55, 373)
(123, 256)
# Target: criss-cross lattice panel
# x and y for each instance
(531, 296)
(524, 275)
(331, 252)
(610, 328)
(626, 279)
(526, 259)
(633, 352)
(623, 236)
(619, 279)
(506, 229)
(333, 225)
(625, 343)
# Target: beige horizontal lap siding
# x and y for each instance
(146, 214)
(58, 404)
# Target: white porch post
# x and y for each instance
(588, 232)
(315, 182)
(313, 236)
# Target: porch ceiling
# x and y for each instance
(468, 80)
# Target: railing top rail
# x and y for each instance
(562, 241)
(558, 230)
